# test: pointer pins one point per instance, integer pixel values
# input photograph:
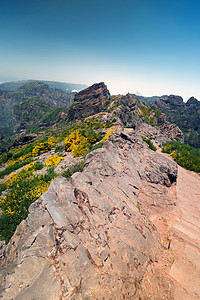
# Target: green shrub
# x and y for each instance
(75, 168)
(149, 142)
(60, 148)
(185, 155)
(3, 187)
(5, 157)
(14, 167)
(97, 146)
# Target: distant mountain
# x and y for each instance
(185, 115)
(28, 91)
(147, 100)
(33, 106)
(66, 87)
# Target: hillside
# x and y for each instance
(33, 106)
(185, 115)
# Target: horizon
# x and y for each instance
(133, 46)
(136, 93)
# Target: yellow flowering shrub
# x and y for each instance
(30, 167)
(80, 149)
(25, 189)
(185, 155)
(41, 148)
(52, 141)
(77, 143)
(53, 160)
(73, 139)
(16, 177)
(108, 134)
(13, 161)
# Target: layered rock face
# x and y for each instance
(129, 113)
(170, 100)
(89, 101)
(91, 237)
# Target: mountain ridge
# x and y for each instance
(64, 86)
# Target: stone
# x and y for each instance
(87, 237)
(89, 101)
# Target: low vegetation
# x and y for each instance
(75, 168)
(149, 142)
(107, 135)
(25, 188)
(185, 155)
(53, 160)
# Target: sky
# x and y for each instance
(147, 47)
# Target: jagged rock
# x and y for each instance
(185, 115)
(128, 112)
(89, 101)
(88, 238)
(162, 134)
(173, 131)
(192, 101)
(173, 100)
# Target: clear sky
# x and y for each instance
(148, 47)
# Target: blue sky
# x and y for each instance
(141, 46)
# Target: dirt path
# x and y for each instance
(185, 243)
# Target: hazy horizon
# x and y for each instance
(133, 46)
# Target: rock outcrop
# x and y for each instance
(185, 115)
(128, 111)
(170, 100)
(91, 237)
(89, 101)
(165, 133)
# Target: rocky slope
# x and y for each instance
(185, 242)
(92, 237)
(185, 115)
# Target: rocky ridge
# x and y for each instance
(92, 237)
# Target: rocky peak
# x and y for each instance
(89, 101)
(95, 89)
(173, 100)
(192, 101)
(127, 100)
